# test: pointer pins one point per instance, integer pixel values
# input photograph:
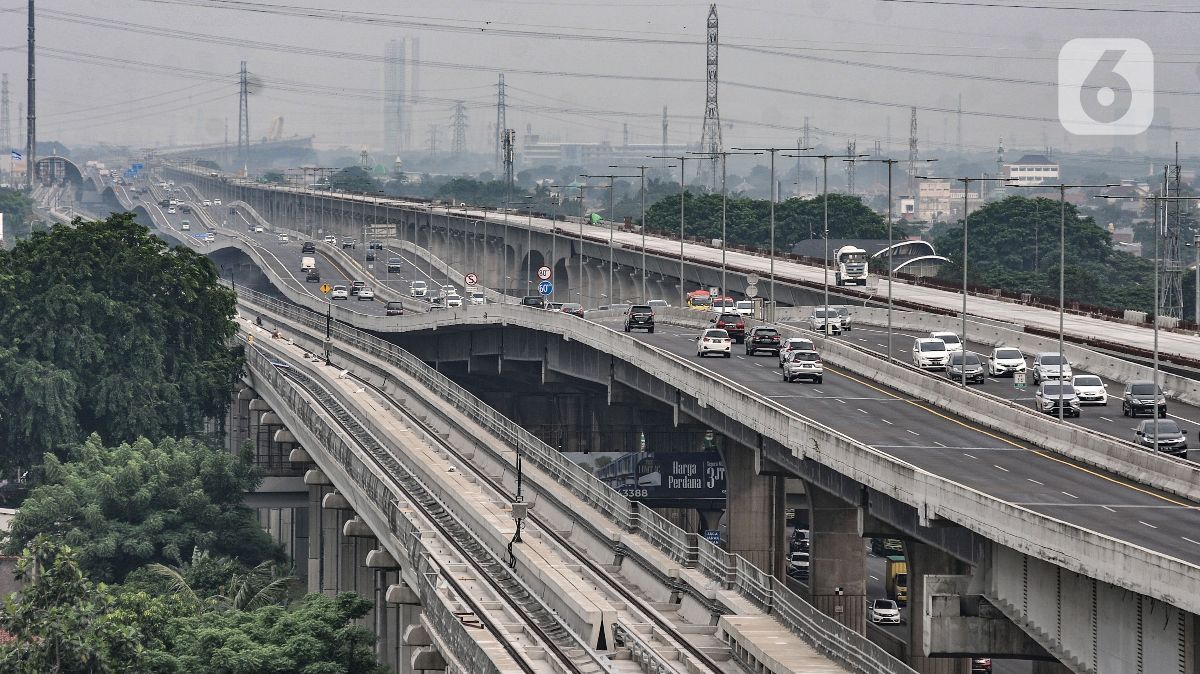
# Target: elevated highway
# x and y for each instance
(441, 228)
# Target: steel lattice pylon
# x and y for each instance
(710, 136)
(243, 118)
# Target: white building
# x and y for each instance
(1032, 169)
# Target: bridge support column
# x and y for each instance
(754, 507)
(925, 559)
(239, 422)
(837, 566)
(316, 538)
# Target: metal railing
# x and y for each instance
(729, 571)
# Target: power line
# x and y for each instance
(1063, 8)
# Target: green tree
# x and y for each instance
(208, 164)
(274, 177)
(103, 328)
(140, 503)
(354, 179)
(17, 210)
(315, 637)
(62, 621)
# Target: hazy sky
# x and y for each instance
(120, 71)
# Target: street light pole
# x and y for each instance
(643, 176)
(611, 222)
(682, 192)
(724, 155)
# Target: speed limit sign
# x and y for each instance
(544, 273)
(471, 279)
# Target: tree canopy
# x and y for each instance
(747, 220)
(17, 210)
(105, 329)
(139, 503)
(1014, 245)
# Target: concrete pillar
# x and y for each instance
(925, 559)
(837, 560)
(348, 558)
(315, 537)
(382, 649)
(754, 505)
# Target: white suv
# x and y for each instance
(418, 289)
(950, 339)
(929, 353)
(1005, 360)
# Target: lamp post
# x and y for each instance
(682, 159)
(1158, 227)
(612, 295)
(825, 198)
(774, 198)
(556, 199)
(724, 155)
(1062, 263)
(891, 245)
(643, 176)
(966, 182)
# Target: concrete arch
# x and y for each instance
(924, 259)
(55, 169)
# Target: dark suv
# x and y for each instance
(1141, 397)
(639, 316)
(734, 324)
(535, 301)
(763, 339)
(308, 247)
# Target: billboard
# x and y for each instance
(656, 476)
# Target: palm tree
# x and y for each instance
(261, 586)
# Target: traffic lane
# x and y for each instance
(1103, 418)
(950, 446)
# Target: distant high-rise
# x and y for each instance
(397, 125)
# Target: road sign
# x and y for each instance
(712, 536)
(751, 279)
(545, 287)
(325, 288)
(544, 273)
(471, 279)
(751, 290)
(1019, 379)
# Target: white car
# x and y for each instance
(929, 353)
(216, 202)
(331, 239)
(1005, 360)
(1051, 366)
(365, 293)
(658, 304)
(1090, 389)
(454, 301)
(282, 238)
(418, 289)
(803, 365)
(339, 293)
(478, 297)
(883, 611)
(950, 339)
(825, 315)
(716, 341)
(744, 307)
(206, 202)
(794, 344)
(171, 209)
(258, 229)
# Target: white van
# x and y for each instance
(308, 263)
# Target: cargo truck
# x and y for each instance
(896, 579)
(851, 266)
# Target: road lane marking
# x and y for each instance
(1111, 510)
(1040, 484)
(877, 577)
(1190, 540)
(1107, 419)
(862, 410)
(1001, 468)
(972, 456)
(912, 431)
(1147, 524)
(1006, 441)
(1071, 495)
(886, 422)
(938, 443)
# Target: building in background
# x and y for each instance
(1032, 169)
(535, 152)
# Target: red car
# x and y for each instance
(733, 324)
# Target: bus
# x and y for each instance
(700, 300)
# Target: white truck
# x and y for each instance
(308, 263)
(851, 266)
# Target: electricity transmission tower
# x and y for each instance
(851, 151)
(501, 122)
(509, 138)
(458, 144)
(1172, 264)
(710, 136)
(912, 154)
(5, 121)
(243, 118)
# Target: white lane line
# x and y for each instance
(1107, 419)
(993, 379)
(882, 346)
(759, 364)
(1190, 540)
(938, 443)
(1147, 524)
(1000, 467)
(741, 358)
(863, 411)
(1071, 495)
(886, 422)
(912, 431)
(840, 400)
(1042, 484)
(877, 577)
(971, 456)
(818, 391)
(1111, 510)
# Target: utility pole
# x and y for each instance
(682, 159)
(710, 136)
(958, 130)
(458, 144)
(508, 138)
(433, 138)
(5, 122)
(912, 159)
(243, 119)
(851, 151)
(501, 123)
(30, 107)
(664, 139)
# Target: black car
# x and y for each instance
(356, 286)
(974, 367)
(1171, 439)
(308, 247)
(640, 317)
(1141, 397)
(394, 308)
(313, 276)
(395, 265)
(370, 256)
(375, 244)
(535, 301)
(763, 339)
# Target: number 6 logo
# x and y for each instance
(1106, 86)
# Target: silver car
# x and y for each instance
(803, 365)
